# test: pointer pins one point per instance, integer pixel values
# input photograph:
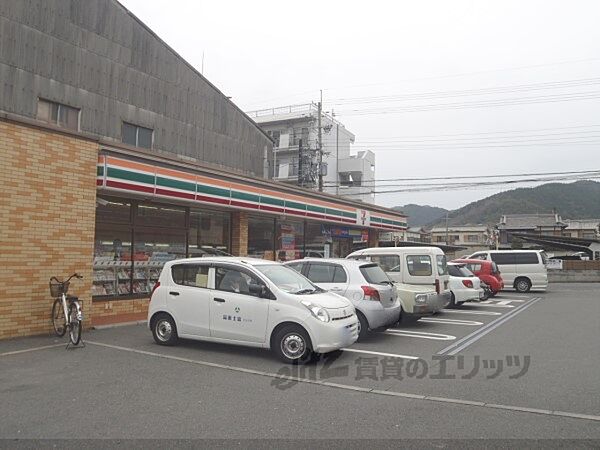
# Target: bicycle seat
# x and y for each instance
(72, 298)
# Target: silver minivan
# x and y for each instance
(364, 283)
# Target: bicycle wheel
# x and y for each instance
(58, 318)
(75, 325)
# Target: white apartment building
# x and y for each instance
(295, 131)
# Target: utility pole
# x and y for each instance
(320, 146)
(337, 158)
(446, 227)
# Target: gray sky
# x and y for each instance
(413, 54)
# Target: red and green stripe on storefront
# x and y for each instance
(127, 176)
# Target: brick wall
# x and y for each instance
(373, 238)
(119, 311)
(47, 213)
(239, 233)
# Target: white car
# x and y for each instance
(464, 285)
(250, 302)
(364, 283)
(522, 270)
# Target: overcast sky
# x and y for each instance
(390, 69)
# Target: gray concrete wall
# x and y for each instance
(94, 55)
(574, 276)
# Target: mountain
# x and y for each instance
(420, 215)
(579, 200)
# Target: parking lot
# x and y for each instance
(516, 366)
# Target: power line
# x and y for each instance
(474, 104)
(471, 177)
(497, 132)
(458, 186)
(469, 92)
(483, 146)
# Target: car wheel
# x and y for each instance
(407, 319)
(452, 303)
(522, 285)
(164, 330)
(486, 294)
(363, 326)
(292, 345)
(493, 293)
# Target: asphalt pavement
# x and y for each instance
(521, 366)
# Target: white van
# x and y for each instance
(420, 274)
(521, 269)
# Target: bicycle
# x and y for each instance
(66, 310)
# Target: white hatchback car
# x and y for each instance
(250, 302)
(364, 283)
(464, 285)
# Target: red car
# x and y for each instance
(486, 271)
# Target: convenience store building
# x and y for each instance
(116, 155)
(116, 214)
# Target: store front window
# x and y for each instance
(290, 240)
(209, 233)
(261, 237)
(135, 239)
(112, 260)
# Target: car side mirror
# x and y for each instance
(260, 290)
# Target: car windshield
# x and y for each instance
(374, 274)
(441, 264)
(287, 279)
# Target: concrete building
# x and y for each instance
(294, 130)
(116, 156)
(540, 224)
(582, 228)
(472, 237)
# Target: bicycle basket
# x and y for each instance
(58, 289)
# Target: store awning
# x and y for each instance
(160, 181)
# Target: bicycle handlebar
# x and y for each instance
(76, 275)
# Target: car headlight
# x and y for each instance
(317, 311)
(421, 298)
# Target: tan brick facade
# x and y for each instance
(373, 238)
(47, 214)
(239, 233)
(119, 311)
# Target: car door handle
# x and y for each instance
(173, 293)
(336, 289)
(220, 300)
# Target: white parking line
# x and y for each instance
(34, 349)
(390, 355)
(518, 300)
(420, 335)
(366, 390)
(466, 311)
(472, 323)
(493, 304)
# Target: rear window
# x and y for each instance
(194, 275)
(441, 264)
(419, 265)
(458, 271)
(326, 273)
(527, 258)
(389, 263)
(374, 274)
(296, 266)
(476, 267)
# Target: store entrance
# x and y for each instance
(341, 247)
